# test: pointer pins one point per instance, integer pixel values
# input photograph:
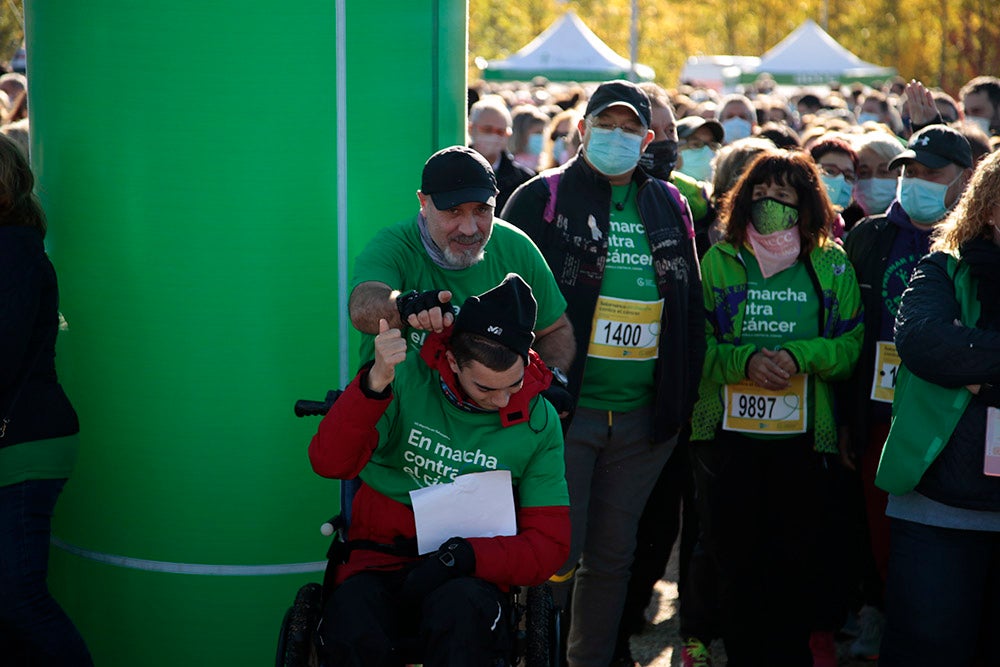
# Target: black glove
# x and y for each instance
(413, 302)
(558, 392)
(559, 397)
(455, 558)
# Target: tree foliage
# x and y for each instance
(943, 43)
(11, 28)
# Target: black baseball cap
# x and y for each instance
(620, 93)
(456, 175)
(505, 313)
(689, 124)
(936, 146)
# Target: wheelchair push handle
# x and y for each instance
(306, 408)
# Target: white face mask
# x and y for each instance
(736, 128)
(982, 123)
(489, 144)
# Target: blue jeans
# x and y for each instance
(942, 596)
(34, 630)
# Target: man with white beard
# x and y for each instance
(412, 272)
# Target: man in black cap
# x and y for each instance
(468, 402)
(621, 246)
(412, 272)
(884, 249)
(698, 141)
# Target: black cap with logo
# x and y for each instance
(620, 93)
(936, 146)
(456, 175)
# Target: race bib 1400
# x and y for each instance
(626, 329)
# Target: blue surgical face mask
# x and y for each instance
(697, 163)
(613, 152)
(923, 200)
(736, 128)
(865, 117)
(558, 148)
(875, 194)
(838, 189)
(535, 144)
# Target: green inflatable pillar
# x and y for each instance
(209, 171)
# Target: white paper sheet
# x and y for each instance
(479, 504)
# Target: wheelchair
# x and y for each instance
(533, 619)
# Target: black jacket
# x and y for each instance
(868, 246)
(577, 260)
(29, 320)
(510, 175)
(933, 348)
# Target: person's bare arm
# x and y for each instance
(555, 344)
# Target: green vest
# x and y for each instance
(925, 414)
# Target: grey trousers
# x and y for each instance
(610, 473)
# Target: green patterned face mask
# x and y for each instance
(770, 215)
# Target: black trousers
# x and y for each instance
(462, 623)
(766, 525)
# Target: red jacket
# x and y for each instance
(344, 443)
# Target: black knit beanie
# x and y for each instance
(505, 313)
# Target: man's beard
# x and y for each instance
(466, 258)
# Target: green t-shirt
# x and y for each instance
(624, 340)
(424, 439)
(396, 257)
(781, 308)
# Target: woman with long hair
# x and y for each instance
(38, 429)
(941, 462)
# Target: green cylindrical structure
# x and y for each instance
(209, 171)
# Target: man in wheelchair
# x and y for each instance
(466, 403)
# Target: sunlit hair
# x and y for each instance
(468, 347)
(18, 204)
(833, 144)
(882, 144)
(731, 160)
(795, 170)
(971, 216)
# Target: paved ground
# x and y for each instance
(658, 645)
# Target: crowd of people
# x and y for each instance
(762, 327)
(772, 316)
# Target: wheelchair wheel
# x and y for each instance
(295, 646)
(542, 645)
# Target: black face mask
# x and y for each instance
(659, 158)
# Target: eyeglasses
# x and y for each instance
(488, 129)
(698, 143)
(634, 130)
(834, 170)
